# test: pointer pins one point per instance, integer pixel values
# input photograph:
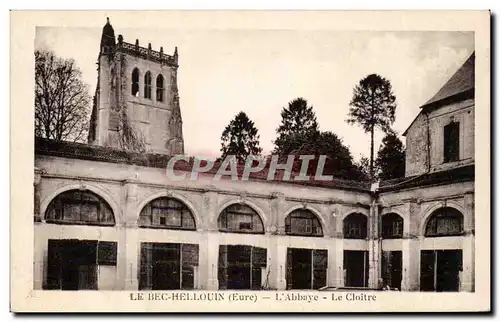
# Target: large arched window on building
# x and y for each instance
(160, 89)
(392, 226)
(303, 222)
(167, 213)
(79, 207)
(240, 218)
(147, 85)
(135, 82)
(355, 226)
(444, 221)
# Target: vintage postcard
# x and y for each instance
(250, 161)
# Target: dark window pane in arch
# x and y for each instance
(167, 213)
(240, 218)
(79, 207)
(135, 82)
(445, 221)
(160, 89)
(451, 142)
(147, 85)
(304, 223)
(392, 226)
(355, 226)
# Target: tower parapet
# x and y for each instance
(146, 53)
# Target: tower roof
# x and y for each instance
(108, 35)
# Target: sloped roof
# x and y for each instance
(461, 174)
(154, 160)
(459, 86)
(462, 81)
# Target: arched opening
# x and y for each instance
(303, 222)
(168, 266)
(79, 207)
(392, 260)
(392, 226)
(167, 213)
(135, 82)
(445, 221)
(355, 226)
(79, 264)
(160, 90)
(440, 268)
(240, 218)
(241, 266)
(147, 85)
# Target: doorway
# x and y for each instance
(440, 270)
(72, 264)
(306, 268)
(167, 266)
(240, 267)
(392, 268)
(356, 268)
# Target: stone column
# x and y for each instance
(39, 257)
(277, 253)
(468, 278)
(332, 234)
(411, 248)
(36, 195)
(40, 242)
(128, 245)
(209, 244)
(374, 247)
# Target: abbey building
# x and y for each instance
(106, 216)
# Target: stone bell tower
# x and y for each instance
(136, 103)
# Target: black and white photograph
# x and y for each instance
(305, 167)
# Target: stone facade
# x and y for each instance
(347, 234)
(147, 122)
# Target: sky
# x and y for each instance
(223, 72)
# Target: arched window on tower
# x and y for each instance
(159, 88)
(135, 82)
(147, 85)
(355, 226)
(445, 221)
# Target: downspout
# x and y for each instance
(428, 143)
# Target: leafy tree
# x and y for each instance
(373, 105)
(62, 101)
(364, 168)
(339, 161)
(298, 126)
(391, 157)
(240, 138)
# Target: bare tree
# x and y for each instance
(62, 100)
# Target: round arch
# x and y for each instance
(257, 209)
(431, 209)
(101, 192)
(392, 228)
(397, 212)
(355, 229)
(355, 211)
(316, 212)
(173, 195)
